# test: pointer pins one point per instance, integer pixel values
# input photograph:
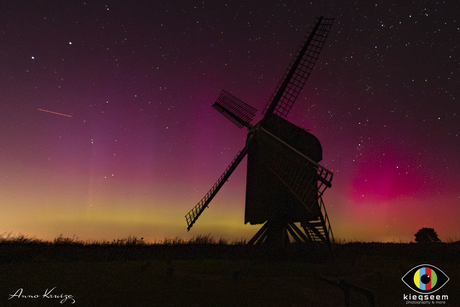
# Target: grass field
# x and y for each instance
(204, 272)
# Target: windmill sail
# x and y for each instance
(195, 213)
(299, 69)
(236, 110)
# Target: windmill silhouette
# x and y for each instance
(284, 183)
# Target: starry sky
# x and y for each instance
(107, 130)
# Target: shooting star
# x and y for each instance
(52, 112)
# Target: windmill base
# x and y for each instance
(275, 234)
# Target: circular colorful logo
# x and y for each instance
(425, 278)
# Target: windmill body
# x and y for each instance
(267, 197)
(285, 183)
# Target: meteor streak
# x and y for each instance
(52, 112)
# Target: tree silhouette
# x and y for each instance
(426, 235)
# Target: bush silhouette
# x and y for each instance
(426, 235)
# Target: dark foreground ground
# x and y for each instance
(218, 275)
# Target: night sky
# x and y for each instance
(107, 130)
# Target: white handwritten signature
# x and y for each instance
(64, 297)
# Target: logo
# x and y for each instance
(425, 279)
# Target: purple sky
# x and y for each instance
(143, 145)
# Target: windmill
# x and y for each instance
(285, 183)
